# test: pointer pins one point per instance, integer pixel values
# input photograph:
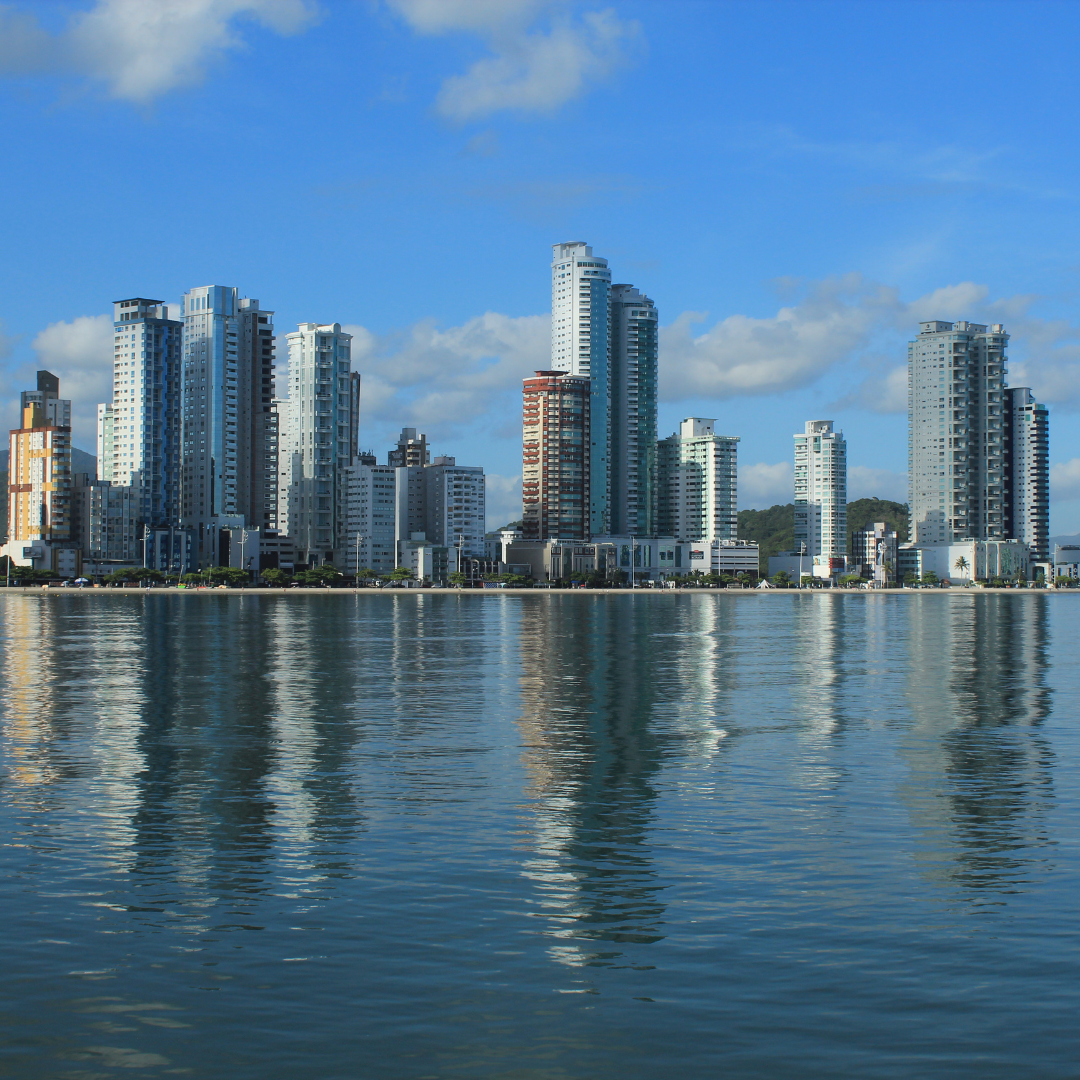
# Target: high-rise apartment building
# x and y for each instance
(319, 439)
(581, 346)
(608, 333)
(978, 453)
(1027, 472)
(633, 367)
(139, 430)
(229, 424)
(821, 490)
(370, 518)
(411, 449)
(39, 476)
(698, 483)
(555, 456)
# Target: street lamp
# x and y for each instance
(633, 553)
(358, 539)
(802, 553)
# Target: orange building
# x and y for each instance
(39, 478)
(555, 457)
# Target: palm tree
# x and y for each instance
(962, 565)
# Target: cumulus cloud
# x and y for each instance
(867, 483)
(141, 49)
(444, 380)
(530, 69)
(763, 485)
(503, 494)
(80, 353)
(880, 393)
(1065, 480)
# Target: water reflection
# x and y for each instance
(588, 685)
(981, 768)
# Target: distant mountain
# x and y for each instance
(1063, 541)
(774, 529)
(81, 461)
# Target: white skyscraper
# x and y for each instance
(698, 483)
(319, 439)
(581, 345)
(139, 430)
(370, 517)
(229, 421)
(821, 490)
(978, 453)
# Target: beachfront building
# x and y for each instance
(697, 483)
(556, 470)
(318, 440)
(369, 542)
(138, 431)
(821, 493)
(229, 421)
(1026, 441)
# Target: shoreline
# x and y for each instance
(38, 590)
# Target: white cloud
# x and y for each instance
(503, 494)
(531, 70)
(444, 381)
(765, 485)
(80, 353)
(867, 483)
(880, 393)
(141, 49)
(1065, 480)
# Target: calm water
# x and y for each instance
(533, 837)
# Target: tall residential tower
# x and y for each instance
(978, 453)
(698, 483)
(821, 490)
(229, 420)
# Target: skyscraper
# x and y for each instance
(821, 490)
(978, 453)
(634, 362)
(555, 456)
(581, 346)
(608, 334)
(229, 420)
(139, 430)
(319, 440)
(698, 485)
(1027, 472)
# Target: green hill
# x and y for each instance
(774, 529)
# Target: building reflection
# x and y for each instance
(588, 689)
(981, 766)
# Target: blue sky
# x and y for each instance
(794, 184)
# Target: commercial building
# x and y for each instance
(1026, 442)
(821, 491)
(697, 483)
(39, 482)
(556, 474)
(138, 436)
(732, 557)
(616, 557)
(370, 518)
(229, 421)
(1067, 561)
(964, 561)
(318, 440)
(428, 561)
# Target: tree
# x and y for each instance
(910, 578)
(400, 573)
(930, 578)
(365, 576)
(326, 575)
(962, 565)
(148, 573)
(847, 580)
(194, 579)
(275, 576)
(807, 581)
(457, 579)
(229, 575)
(120, 577)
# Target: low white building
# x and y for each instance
(1067, 561)
(369, 507)
(724, 557)
(965, 560)
(428, 561)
